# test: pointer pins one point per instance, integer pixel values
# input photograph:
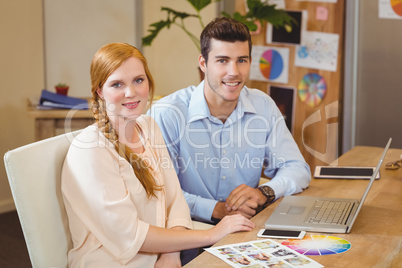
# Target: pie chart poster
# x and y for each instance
(270, 64)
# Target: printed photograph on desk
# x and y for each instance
(261, 253)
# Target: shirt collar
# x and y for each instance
(246, 105)
(198, 107)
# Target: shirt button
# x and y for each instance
(224, 178)
(224, 151)
(220, 199)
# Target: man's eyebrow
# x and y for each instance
(222, 57)
(227, 57)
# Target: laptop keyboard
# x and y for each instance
(328, 212)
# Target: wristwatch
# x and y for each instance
(268, 192)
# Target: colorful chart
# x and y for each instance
(312, 89)
(318, 245)
(397, 6)
(271, 64)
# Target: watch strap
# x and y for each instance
(268, 192)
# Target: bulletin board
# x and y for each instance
(310, 61)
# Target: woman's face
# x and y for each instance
(126, 91)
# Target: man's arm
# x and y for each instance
(286, 181)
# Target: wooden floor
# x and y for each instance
(13, 250)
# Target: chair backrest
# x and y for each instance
(34, 172)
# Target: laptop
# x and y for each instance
(308, 213)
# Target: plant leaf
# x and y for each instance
(154, 30)
(176, 14)
(156, 27)
(243, 19)
(199, 4)
(265, 12)
(262, 11)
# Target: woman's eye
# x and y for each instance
(116, 85)
(139, 80)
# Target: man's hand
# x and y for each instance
(245, 195)
(248, 210)
(220, 211)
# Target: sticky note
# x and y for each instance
(321, 13)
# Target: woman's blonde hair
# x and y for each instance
(105, 61)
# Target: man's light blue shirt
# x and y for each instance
(212, 158)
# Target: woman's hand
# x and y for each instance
(171, 260)
(231, 224)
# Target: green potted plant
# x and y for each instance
(61, 88)
(258, 11)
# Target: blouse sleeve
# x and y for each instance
(98, 197)
(178, 212)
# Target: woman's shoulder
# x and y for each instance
(147, 123)
(150, 129)
(90, 137)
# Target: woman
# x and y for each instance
(122, 196)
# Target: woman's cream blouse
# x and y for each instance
(108, 210)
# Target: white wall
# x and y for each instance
(21, 75)
(75, 30)
(72, 39)
(172, 57)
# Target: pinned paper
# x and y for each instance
(280, 4)
(321, 13)
(283, 35)
(270, 64)
(319, 51)
(326, 1)
(390, 9)
(258, 31)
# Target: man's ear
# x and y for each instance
(202, 63)
(99, 91)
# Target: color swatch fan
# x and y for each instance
(318, 245)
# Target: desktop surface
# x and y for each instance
(376, 237)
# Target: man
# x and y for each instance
(221, 134)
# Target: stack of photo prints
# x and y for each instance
(262, 253)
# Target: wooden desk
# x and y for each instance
(49, 123)
(376, 236)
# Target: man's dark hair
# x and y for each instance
(223, 29)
